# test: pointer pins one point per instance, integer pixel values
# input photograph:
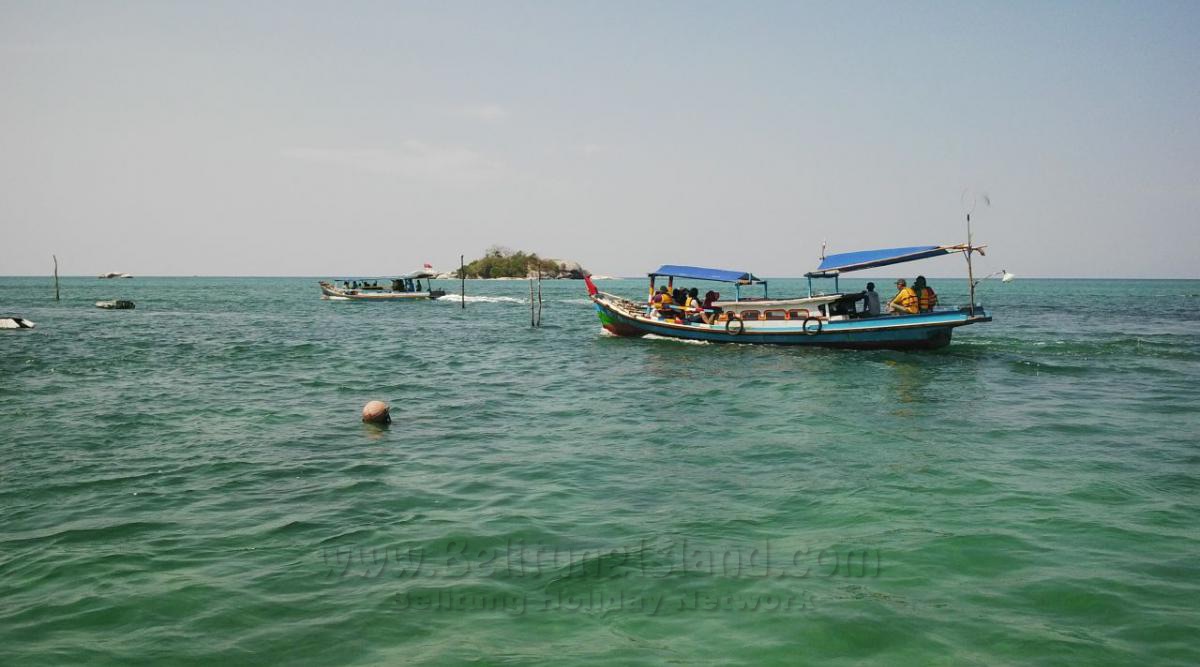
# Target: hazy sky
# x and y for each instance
(300, 138)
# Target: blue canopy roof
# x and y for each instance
(866, 259)
(699, 273)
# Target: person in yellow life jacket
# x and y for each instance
(661, 300)
(905, 300)
(926, 297)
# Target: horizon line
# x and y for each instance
(321, 276)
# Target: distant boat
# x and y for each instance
(113, 274)
(14, 322)
(407, 287)
(827, 320)
(118, 304)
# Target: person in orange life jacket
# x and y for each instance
(926, 297)
(905, 300)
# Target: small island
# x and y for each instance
(499, 262)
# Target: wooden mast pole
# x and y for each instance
(56, 298)
(970, 271)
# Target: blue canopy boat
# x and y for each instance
(829, 320)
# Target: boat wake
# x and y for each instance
(685, 341)
(481, 299)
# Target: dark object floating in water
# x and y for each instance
(14, 322)
(118, 304)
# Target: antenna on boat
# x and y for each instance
(823, 244)
(971, 248)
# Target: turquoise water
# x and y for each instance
(189, 482)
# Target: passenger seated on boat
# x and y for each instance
(870, 301)
(679, 296)
(926, 297)
(710, 297)
(418, 285)
(694, 309)
(660, 302)
(905, 300)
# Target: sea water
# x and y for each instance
(190, 482)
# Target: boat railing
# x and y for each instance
(622, 302)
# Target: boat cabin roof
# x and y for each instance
(700, 273)
(833, 265)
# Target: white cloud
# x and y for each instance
(591, 149)
(488, 113)
(412, 159)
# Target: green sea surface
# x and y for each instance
(189, 482)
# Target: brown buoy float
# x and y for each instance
(376, 412)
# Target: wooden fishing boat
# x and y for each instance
(407, 287)
(827, 320)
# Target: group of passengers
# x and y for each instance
(398, 285)
(920, 298)
(685, 305)
(405, 285)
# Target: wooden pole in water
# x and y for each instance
(55, 276)
(532, 322)
(539, 296)
(462, 274)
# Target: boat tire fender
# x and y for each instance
(808, 331)
(741, 326)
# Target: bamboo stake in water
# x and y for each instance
(462, 274)
(55, 276)
(532, 322)
(539, 317)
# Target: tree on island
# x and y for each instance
(500, 262)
